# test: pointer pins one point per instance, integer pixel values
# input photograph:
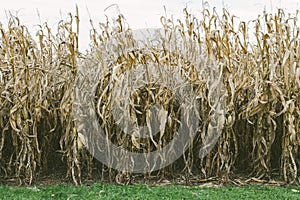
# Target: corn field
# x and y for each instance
(258, 63)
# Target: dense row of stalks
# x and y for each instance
(258, 64)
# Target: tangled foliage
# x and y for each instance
(257, 63)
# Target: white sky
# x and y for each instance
(139, 13)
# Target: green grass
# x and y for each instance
(144, 192)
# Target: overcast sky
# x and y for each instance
(139, 13)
